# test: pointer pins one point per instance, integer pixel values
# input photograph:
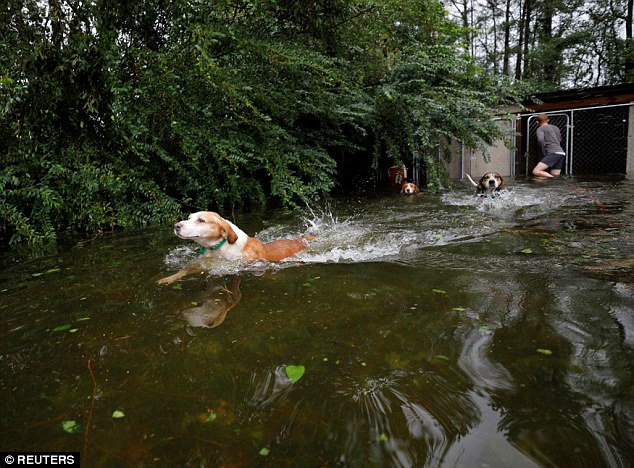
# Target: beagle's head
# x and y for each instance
(491, 181)
(409, 188)
(206, 228)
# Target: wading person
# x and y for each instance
(549, 139)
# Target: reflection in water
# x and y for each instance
(435, 331)
(266, 389)
(474, 360)
(221, 298)
(403, 419)
(623, 314)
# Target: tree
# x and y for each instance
(554, 44)
(117, 114)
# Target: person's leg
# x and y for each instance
(555, 168)
(541, 170)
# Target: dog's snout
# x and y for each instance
(491, 182)
(177, 227)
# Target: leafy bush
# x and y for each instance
(124, 114)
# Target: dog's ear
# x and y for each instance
(482, 180)
(230, 234)
(502, 186)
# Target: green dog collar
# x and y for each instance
(202, 250)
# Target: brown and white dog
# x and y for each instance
(409, 188)
(488, 184)
(221, 238)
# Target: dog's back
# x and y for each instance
(276, 250)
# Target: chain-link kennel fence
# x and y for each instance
(595, 139)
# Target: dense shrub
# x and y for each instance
(118, 114)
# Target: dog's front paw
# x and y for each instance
(168, 280)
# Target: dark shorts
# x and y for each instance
(554, 160)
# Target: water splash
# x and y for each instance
(355, 232)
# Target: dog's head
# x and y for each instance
(206, 228)
(491, 181)
(409, 188)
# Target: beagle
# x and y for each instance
(409, 188)
(221, 238)
(488, 184)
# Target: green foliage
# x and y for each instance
(294, 373)
(124, 114)
(434, 96)
(551, 44)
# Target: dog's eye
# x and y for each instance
(200, 220)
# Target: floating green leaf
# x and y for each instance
(382, 438)
(212, 417)
(439, 291)
(485, 328)
(547, 352)
(309, 281)
(458, 309)
(117, 414)
(294, 373)
(70, 426)
(441, 357)
(264, 451)
(526, 251)
(62, 327)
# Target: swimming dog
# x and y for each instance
(221, 238)
(409, 188)
(489, 183)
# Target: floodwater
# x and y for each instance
(433, 330)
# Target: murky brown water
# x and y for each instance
(433, 330)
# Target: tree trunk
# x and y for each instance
(524, 39)
(507, 38)
(628, 66)
(628, 19)
(57, 23)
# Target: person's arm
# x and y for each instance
(540, 139)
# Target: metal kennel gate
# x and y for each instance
(595, 139)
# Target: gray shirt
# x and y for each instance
(549, 139)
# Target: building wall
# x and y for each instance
(499, 158)
(598, 154)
